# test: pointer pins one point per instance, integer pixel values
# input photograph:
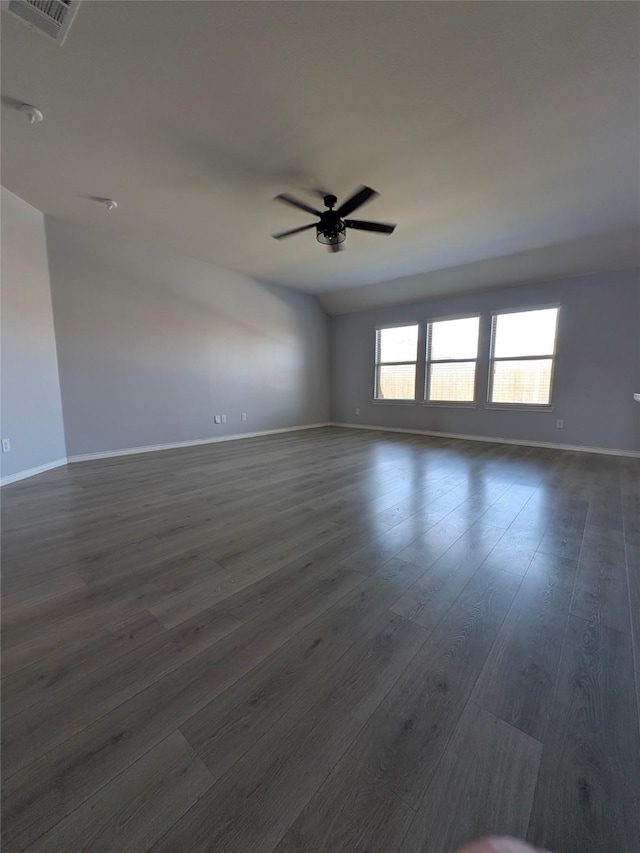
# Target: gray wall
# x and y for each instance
(151, 345)
(30, 396)
(597, 367)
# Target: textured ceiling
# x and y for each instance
(492, 131)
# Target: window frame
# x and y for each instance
(463, 404)
(532, 407)
(396, 401)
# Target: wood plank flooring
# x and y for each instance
(330, 640)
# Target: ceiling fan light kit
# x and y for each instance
(331, 230)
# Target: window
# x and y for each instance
(452, 350)
(396, 356)
(523, 348)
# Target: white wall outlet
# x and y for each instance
(243, 416)
(217, 419)
(6, 445)
(636, 397)
(224, 418)
(357, 411)
(559, 424)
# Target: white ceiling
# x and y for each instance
(493, 131)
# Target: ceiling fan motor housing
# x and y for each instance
(331, 230)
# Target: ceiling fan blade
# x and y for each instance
(293, 231)
(380, 227)
(336, 247)
(356, 200)
(294, 201)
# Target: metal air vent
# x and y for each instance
(52, 18)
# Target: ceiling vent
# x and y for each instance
(50, 17)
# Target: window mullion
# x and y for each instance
(454, 360)
(394, 363)
(524, 357)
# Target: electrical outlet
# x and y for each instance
(217, 419)
(6, 445)
(559, 424)
(357, 411)
(243, 416)
(224, 419)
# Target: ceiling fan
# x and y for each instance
(332, 226)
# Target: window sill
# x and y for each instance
(518, 407)
(452, 405)
(394, 402)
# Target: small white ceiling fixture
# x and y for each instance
(32, 113)
(109, 203)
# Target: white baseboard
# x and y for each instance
(175, 445)
(576, 447)
(31, 472)
(151, 448)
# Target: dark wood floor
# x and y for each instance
(329, 640)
